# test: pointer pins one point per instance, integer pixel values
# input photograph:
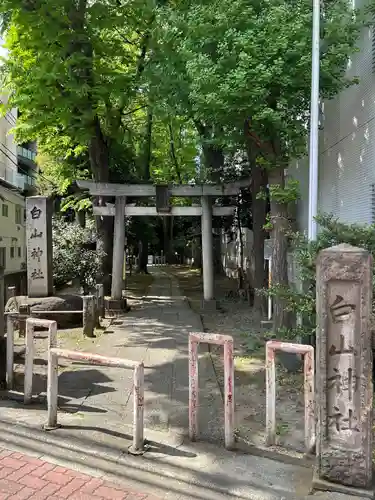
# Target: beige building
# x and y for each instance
(17, 178)
(12, 230)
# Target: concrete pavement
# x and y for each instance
(95, 410)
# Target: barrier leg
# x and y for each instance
(10, 352)
(228, 396)
(52, 391)
(309, 373)
(138, 424)
(270, 397)
(193, 390)
(29, 361)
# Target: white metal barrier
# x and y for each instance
(12, 318)
(309, 374)
(138, 388)
(227, 342)
(31, 323)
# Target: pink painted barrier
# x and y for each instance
(31, 323)
(96, 359)
(309, 375)
(227, 342)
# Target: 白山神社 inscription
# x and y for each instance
(344, 359)
(342, 389)
(39, 246)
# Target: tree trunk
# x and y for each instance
(240, 235)
(143, 256)
(83, 73)
(81, 218)
(214, 162)
(169, 253)
(197, 253)
(218, 263)
(99, 161)
(279, 267)
(259, 207)
(143, 244)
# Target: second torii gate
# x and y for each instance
(162, 193)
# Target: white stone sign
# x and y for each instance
(39, 246)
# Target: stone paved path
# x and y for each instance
(95, 410)
(27, 478)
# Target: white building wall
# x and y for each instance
(8, 147)
(12, 203)
(347, 148)
(12, 230)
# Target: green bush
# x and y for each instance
(303, 302)
(74, 253)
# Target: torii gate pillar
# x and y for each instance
(207, 253)
(117, 301)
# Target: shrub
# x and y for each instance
(74, 253)
(303, 302)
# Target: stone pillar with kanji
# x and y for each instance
(344, 388)
(39, 246)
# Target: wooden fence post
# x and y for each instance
(88, 316)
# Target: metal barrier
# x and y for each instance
(227, 342)
(29, 355)
(309, 374)
(138, 389)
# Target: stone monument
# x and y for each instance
(344, 389)
(39, 246)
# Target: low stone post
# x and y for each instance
(88, 315)
(344, 377)
(23, 309)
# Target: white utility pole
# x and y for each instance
(314, 123)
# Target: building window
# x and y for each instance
(19, 252)
(2, 257)
(4, 210)
(12, 252)
(18, 214)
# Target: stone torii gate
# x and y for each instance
(162, 193)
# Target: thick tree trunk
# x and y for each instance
(169, 252)
(218, 264)
(279, 268)
(80, 45)
(99, 161)
(143, 256)
(197, 253)
(81, 218)
(214, 162)
(144, 243)
(259, 207)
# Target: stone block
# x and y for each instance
(209, 305)
(344, 389)
(61, 302)
(39, 246)
(116, 306)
